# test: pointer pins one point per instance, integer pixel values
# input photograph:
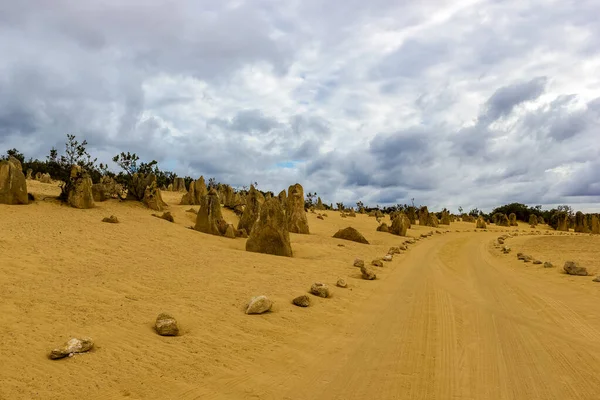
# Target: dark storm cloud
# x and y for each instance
(505, 99)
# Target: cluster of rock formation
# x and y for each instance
(178, 185)
(430, 219)
(501, 219)
(266, 222)
(44, 178)
(587, 223)
(196, 192)
(107, 189)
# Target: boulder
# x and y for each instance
(167, 216)
(166, 325)
(367, 273)
(377, 263)
(241, 233)
(80, 192)
(38, 176)
(29, 174)
(302, 301)
(351, 234)
(596, 279)
(383, 228)
(359, 263)
(13, 185)
(512, 219)
(71, 347)
(259, 305)
(548, 264)
(319, 289)
(111, 220)
(270, 234)
(294, 211)
(209, 217)
(387, 257)
(341, 283)
(537, 262)
(251, 211)
(573, 268)
(394, 250)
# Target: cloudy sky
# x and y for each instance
(453, 103)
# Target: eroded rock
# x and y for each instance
(71, 347)
(573, 268)
(351, 234)
(259, 305)
(302, 301)
(320, 289)
(166, 325)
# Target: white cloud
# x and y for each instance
(470, 103)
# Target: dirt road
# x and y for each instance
(454, 322)
(450, 319)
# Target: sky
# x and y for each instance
(450, 103)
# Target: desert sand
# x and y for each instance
(451, 318)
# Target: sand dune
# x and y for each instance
(452, 318)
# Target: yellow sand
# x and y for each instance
(452, 318)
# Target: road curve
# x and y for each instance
(455, 322)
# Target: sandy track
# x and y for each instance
(449, 319)
(455, 323)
